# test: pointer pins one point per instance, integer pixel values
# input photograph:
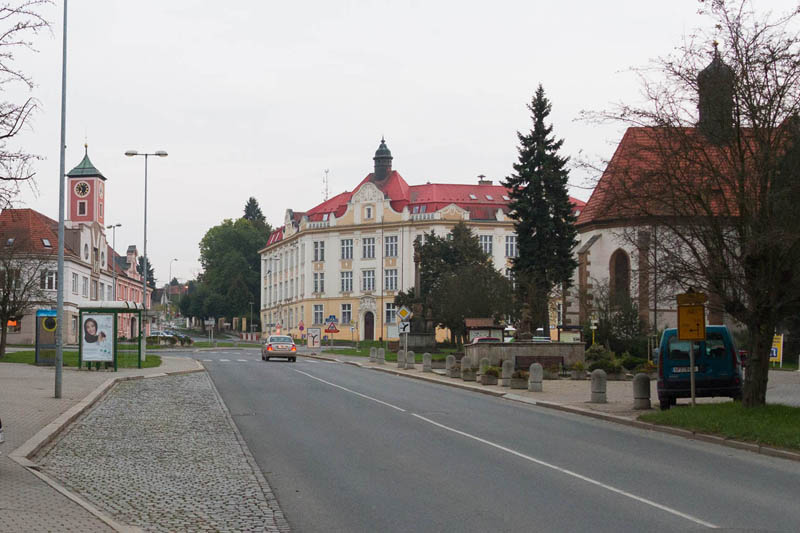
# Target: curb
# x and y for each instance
(23, 454)
(678, 432)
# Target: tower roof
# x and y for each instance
(85, 168)
(383, 150)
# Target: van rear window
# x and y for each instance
(715, 347)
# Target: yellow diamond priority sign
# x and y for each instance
(404, 313)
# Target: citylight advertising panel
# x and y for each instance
(97, 342)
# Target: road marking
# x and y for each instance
(573, 474)
(351, 391)
(242, 360)
(207, 360)
(225, 360)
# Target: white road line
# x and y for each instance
(207, 360)
(573, 474)
(351, 391)
(242, 360)
(225, 360)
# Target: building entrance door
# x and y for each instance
(369, 326)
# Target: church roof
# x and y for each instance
(85, 169)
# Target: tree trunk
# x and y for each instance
(3, 335)
(757, 373)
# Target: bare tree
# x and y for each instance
(26, 280)
(714, 166)
(19, 23)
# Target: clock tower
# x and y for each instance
(86, 187)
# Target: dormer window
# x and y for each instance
(489, 197)
(415, 210)
(473, 197)
(325, 217)
(10, 241)
(46, 243)
(423, 208)
(506, 198)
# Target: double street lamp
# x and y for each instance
(132, 153)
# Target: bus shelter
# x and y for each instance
(101, 342)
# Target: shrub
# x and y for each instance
(578, 365)
(648, 367)
(610, 366)
(492, 371)
(630, 362)
(598, 352)
(520, 374)
(172, 340)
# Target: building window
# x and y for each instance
(486, 244)
(102, 292)
(511, 246)
(347, 282)
(74, 283)
(347, 248)
(390, 313)
(391, 246)
(46, 243)
(319, 282)
(86, 252)
(368, 213)
(81, 208)
(368, 248)
(390, 279)
(318, 318)
(368, 280)
(319, 250)
(510, 277)
(49, 280)
(94, 290)
(110, 293)
(85, 288)
(347, 314)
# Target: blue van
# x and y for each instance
(718, 371)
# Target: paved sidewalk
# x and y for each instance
(27, 406)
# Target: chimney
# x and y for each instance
(483, 181)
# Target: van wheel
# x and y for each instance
(665, 403)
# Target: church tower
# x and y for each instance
(86, 193)
(715, 100)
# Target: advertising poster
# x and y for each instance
(97, 342)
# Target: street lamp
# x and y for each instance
(132, 153)
(251, 317)
(169, 298)
(113, 228)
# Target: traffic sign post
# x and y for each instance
(404, 325)
(692, 326)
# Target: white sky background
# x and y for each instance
(258, 98)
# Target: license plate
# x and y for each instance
(283, 347)
(682, 369)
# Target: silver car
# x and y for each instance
(279, 346)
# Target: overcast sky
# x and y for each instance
(258, 98)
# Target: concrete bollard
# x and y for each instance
(373, 354)
(505, 375)
(535, 378)
(409, 360)
(484, 364)
(381, 356)
(401, 359)
(426, 362)
(449, 363)
(641, 391)
(598, 386)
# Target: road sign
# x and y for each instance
(300, 326)
(314, 337)
(209, 322)
(404, 327)
(691, 322)
(692, 298)
(403, 314)
(331, 328)
(776, 354)
(332, 318)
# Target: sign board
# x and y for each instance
(404, 327)
(403, 314)
(314, 337)
(332, 318)
(210, 322)
(392, 331)
(692, 322)
(776, 355)
(331, 328)
(692, 298)
(97, 337)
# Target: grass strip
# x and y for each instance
(771, 425)
(124, 359)
(390, 356)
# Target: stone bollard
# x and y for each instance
(641, 391)
(484, 364)
(409, 360)
(598, 386)
(535, 378)
(426, 362)
(505, 375)
(449, 363)
(401, 359)
(373, 354)
(381, 356)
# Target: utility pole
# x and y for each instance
(60, 274)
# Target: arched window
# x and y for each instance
(619, 269)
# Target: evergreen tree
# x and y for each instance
(151, 280)
(544, 220)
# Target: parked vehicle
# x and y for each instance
(718, 370)
(279, 346)
(484, 340)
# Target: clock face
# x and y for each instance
(82, 188)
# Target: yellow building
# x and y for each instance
(349, 256)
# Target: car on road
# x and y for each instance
(485, 340)
(717, 367)
(279, 346)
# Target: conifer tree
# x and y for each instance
(543, 218)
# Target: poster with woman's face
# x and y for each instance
(97, 343)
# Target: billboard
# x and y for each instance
(97, 337)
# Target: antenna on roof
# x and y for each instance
(325, 185)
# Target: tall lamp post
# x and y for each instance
(251, 317)
(132, 153)
(113, 228)
(169, 284)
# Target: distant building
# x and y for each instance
(89, 260)
(350, 255)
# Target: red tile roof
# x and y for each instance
(28, 228)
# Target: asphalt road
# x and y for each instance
(350, 449)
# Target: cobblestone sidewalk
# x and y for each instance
(162, 454)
